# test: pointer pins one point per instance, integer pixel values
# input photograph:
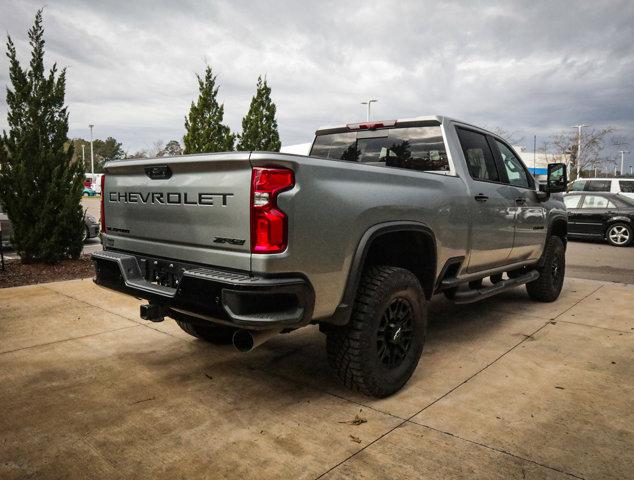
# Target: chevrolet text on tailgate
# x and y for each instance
(356, 237)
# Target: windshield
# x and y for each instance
(416, 148)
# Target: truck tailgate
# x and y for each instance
(194, 208)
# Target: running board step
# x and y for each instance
(475, 295)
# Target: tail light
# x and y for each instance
(269, 226)
(102, 212)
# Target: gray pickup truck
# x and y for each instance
(356, 237)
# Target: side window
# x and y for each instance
(595, 201)
(478, 155)
(627, 186)
(598, 185)
(571, 201)
(515, 170)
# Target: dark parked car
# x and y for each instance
(608, 216)
(91, 228)
(5, 227)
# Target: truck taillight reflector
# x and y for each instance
(102, 212)
(269, 226)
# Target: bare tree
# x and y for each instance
(591, 156)
(138, 154)
(512, 137)
(157, 149)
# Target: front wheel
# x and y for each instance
(619, 234)
(551, 274)
(379, 349)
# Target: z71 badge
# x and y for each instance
(230, 241)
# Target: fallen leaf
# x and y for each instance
(356, 421)
(355, 439)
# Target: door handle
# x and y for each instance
(481, 197)
(520, 201)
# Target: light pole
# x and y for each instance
(579, 127)
(92, 158)
(622, 152)
(368, 103)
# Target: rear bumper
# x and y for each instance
(233, 298)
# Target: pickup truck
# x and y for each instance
(355, 237)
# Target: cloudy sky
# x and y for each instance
(532, 67)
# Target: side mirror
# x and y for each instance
(557, 179)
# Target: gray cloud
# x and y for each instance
(535, 68)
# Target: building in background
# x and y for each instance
(537, 162)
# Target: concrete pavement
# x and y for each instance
(506, 388)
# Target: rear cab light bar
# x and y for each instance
(371, 125)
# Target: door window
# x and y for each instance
(596, 201)
(478, 155)
(571, 201)
(627, 186)
(514, 167)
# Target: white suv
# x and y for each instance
(623, 186)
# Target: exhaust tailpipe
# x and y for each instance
(247, 340)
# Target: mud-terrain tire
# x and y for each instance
(619, 234)
(551, 273)
(379, 349)
(217, 334)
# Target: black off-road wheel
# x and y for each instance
(379, 349)
(551, 274)
(217, 334)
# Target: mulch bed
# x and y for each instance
(16, 274)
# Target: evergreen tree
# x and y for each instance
(204, 129)
(259, 127)
(40, 188)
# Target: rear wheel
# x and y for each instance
(551, 274)
(619, 234)
(379, 349)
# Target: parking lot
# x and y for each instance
(507, 388)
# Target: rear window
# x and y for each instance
(627, 186)
(414, 148)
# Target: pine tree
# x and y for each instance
(259, 127)
(40, 188)
(204, 129)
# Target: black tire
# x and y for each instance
(619, 234)
(379, 349)
(217, 334)
(86, 235)
(551, 273)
